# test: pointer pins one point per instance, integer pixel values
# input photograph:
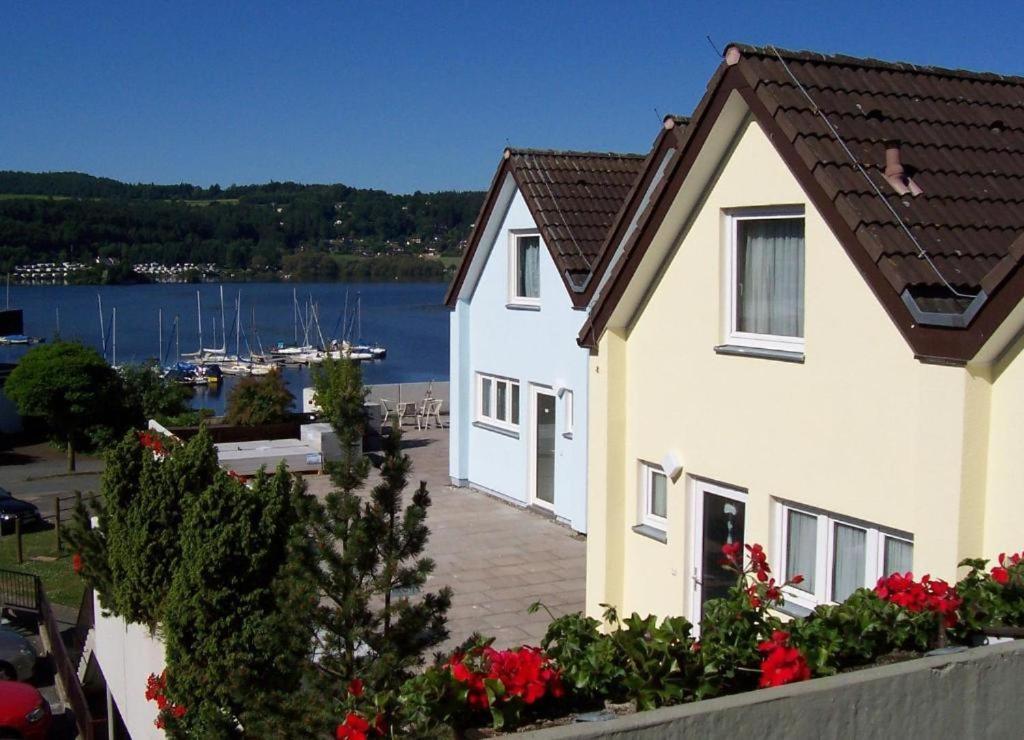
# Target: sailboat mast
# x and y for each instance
(177, 340)
(344, 319)
(57, 308)
(8, 290)
(199, 321)
(160, 337)
(103, 331)
(238, 324)
(295, 312)
(223, 334)
(113, 335)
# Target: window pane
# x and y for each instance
(501, 399)
(659, 494)
(485, 397)
(899, 556)
(770, 276)
(801, 546)
(847, 561)
(515, 403)
(528, 264)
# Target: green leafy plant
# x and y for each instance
(586, 656)
(991, 597)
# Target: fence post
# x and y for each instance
(17, 536)
(56, 519)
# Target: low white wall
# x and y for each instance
(127, 654)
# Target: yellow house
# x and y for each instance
(808, 336)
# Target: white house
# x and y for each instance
(519, 298)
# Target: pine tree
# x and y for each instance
(238, 617)
(372, 622)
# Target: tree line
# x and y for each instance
(69, 216)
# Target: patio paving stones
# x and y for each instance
(497, 558)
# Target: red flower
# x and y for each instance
(353, 728)
(927, 595)
(999, 575)
(355, 687)
(797, 579)
(76, 563)
(526, 674)
(179, 711)
(782, 664)
(732, 551)
(759, 562)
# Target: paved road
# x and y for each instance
(38, 473)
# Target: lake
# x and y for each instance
(409, 319)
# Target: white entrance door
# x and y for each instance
(718, 519)
(542, 447)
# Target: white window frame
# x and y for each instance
(647, 471)
(732, 219)
(874, 551)
(492, 419)
(514, 299)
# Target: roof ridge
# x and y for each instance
(853, 61)
(511, 151)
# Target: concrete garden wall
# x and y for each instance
(972, 694)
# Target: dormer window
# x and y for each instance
(524, 270)
(766, 279)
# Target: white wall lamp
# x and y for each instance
(672, 465)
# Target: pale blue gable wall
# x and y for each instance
(530, 346)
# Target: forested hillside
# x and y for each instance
(70, 216)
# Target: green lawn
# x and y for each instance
(62, 585)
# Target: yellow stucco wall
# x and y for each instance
(861, 429)
(1003, 515)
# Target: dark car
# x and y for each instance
(14, 508)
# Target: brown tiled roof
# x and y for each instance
(961, 138)
(574, 198)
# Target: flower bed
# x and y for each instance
(584, 665)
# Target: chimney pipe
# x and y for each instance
(893, 163)
(895, 174)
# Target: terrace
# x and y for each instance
(497, 558)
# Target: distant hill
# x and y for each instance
(77, 217)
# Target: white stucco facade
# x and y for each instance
(537, 349)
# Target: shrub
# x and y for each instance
(259, 400)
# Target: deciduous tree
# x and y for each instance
(69, 386)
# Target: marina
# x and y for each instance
(264, 325)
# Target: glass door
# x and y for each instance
(544, 449)
(719, 520)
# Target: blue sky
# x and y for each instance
(405, 96)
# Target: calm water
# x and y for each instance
(407, 318)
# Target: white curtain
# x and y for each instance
(659, 494)
(485, 397)
(529, 267)
(848, 561)
(801, 546)
(770, 273)
(899, 556)
(501, 391)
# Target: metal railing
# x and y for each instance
(67, 672)
(19, 590)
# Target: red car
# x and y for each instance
(23, 711)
